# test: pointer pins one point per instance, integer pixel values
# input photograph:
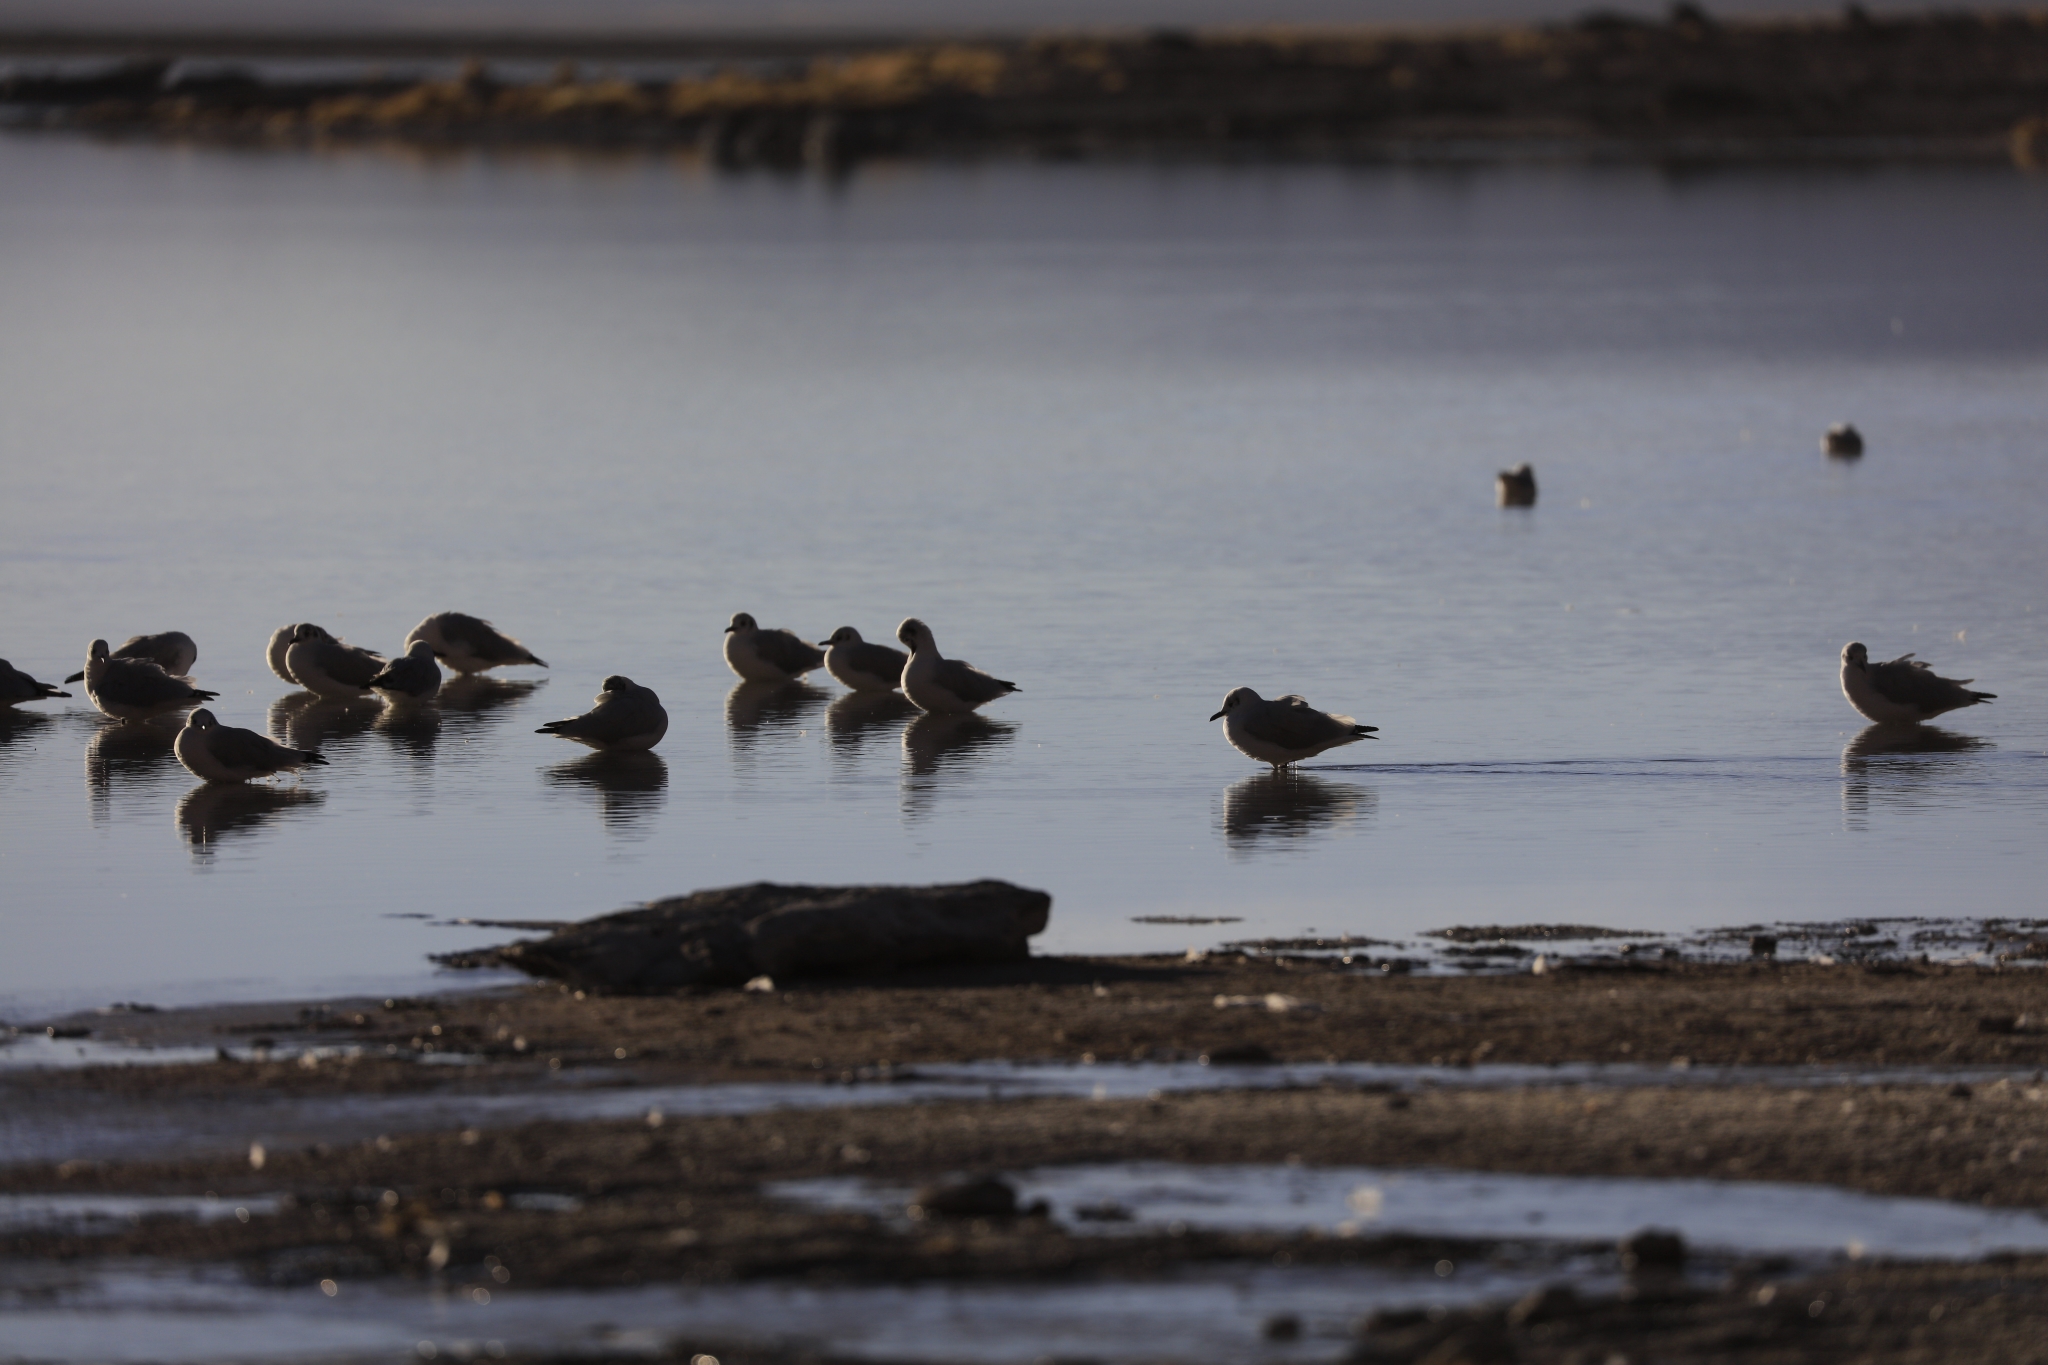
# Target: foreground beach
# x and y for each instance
(1897, 1079)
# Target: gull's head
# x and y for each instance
(1855, 656)
(741, 621)
(420, 650)
(1239, 696)
(845, 635)
(914, 633)
(202, 719)
(306, 631)
(97, 650)
(617, 682)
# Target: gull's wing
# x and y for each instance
(404, 673)
(970, 684)
(1292, 723)
(235, 748)
(1909, 682)
(617, 716)
(170, 650)
(879, 660)
(484, 640)
(137, 682)
(787, 651)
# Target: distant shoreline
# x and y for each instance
(1945, 88)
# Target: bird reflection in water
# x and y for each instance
(212, 811)
(126, 753)
(18, 726)
(854, 716)
(412, 730)
(1278, 808)
(1927, 756)
(630, 785)
(755, 709)
(310, 722)
(477, 694)
(937, 748)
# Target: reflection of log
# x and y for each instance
(727, 936)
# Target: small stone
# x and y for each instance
(1842, 441)
(257, 1156)
(984, 1197)
(1238, 1054)
(763, 984)
(1763, 945)
(1282, 1327)
(1653, 1249)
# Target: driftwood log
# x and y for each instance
(728, 936)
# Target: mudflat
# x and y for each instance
(674, 1198)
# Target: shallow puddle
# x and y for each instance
(131, 1312)
(1744, 1218)
(90, 1213)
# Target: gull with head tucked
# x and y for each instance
(469, 645)
(626, 717)
(17, 687)
(860, 665)
(135, 689)
(1904, 691)
(328, 667)
(949, 686)
(214, 752)
(770, 656)
(1284, 730)
(411, 679)
(173, 651)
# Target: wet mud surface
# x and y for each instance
(679, 1199)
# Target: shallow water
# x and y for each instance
(1129, 436)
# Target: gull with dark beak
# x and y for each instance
(770, 656)
(1904, 691)
(214, 752)
(173, 651)
(860, 665)
(135, 689)
(1284, 730)
(951, 687)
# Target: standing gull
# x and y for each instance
(626, 717)
(328, 667)
(1842, 441)
(1284, 730)
(221, 753)
(17, 687)
(1515, 487)
(1904, 691)
(469, 645)
(770, 656)
(135, 689)
(411, 679)
(862, 666)
(173, 651)
(281, 645)
(949, 686)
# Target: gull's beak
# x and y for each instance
(1219, 714)
(824, 644)
(730, 629)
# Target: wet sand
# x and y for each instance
(680, 1199)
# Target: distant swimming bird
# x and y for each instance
(328, 667)
(281, 645)
(862, 666)
(1515, 487)
(1903, 691)
(469, 645)
(949, 686)
(1284, 730)
(221, 753)
(135, 689)
(627, 716)
(410, 679)
(17, 687)
(770, 656)
(172, 651)
(1842, 441)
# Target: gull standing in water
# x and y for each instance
(1904, 691)
(281, 645)
(17, 687)
(770, 656)
(1284, 730)
(862, 666)
(469, 645)
(221, 753)
(626, 717)
(328, 667)
(1515, 487)
(173, 651)
(951, 687)
(411, 679)
(135, 689)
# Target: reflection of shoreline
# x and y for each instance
(214, 810)
(1285, 806)
(630, 786)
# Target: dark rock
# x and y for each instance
(1653, 1249)
(1283, 1327)
(1842, 441)
(1763, 945)
(1998, 1023)
(984, 1197)
(731, 935)
(1544, 1305)
(1238, 1054)
(1515, 487)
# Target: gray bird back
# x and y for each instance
(1910, 683)
(787, 651)
(137, 682)
(1292, 723)
(970, 684)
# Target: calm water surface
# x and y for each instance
(1129, 436)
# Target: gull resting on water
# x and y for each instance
(173, 651)
(1284, 730)
(626, 717)
(1904, 691)
(1515, 487)
(860, 665)
(411, 678)
(770, 656)
(17, 687)
(221, 753)
(935, 683)
(328, 667)
(469, 645)
(135, 689)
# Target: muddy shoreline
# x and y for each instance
(1940, 87)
